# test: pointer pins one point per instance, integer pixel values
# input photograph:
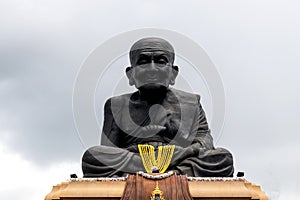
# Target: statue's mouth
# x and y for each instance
(152, 80)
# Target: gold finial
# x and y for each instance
(157, 194)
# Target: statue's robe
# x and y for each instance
(186, 127)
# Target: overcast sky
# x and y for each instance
(255, 46)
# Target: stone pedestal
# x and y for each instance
(200, 188)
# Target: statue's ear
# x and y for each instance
(175, 70)
(129, 75)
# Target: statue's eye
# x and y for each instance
(142, 61)
(162, 60)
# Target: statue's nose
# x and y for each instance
(153, 66)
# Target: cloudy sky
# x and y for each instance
(255, 46)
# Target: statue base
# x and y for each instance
(199, 188)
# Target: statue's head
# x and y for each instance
(152, 64)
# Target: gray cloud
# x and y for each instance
(36, 103)
(254, 44)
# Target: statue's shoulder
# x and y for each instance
(120, 99)
(185, 97)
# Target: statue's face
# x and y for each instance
(152, 69)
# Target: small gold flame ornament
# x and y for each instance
(157, 194)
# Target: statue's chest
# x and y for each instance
(158, 114)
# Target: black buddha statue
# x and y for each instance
(156, 115)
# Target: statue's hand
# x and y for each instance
(133, 148)
(195, 149)
(152, 129)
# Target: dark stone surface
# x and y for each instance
(156, 115)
